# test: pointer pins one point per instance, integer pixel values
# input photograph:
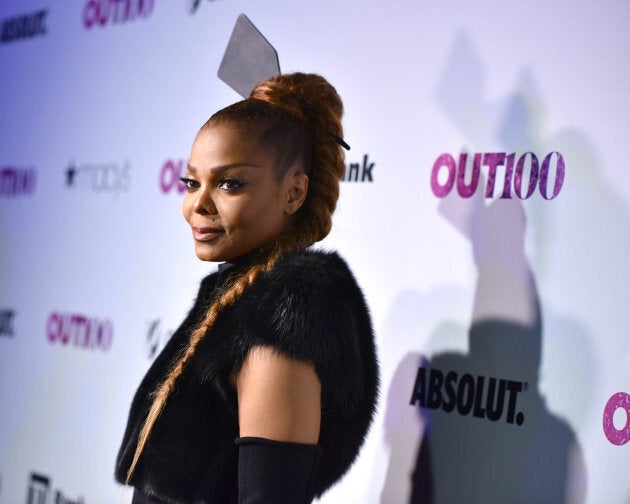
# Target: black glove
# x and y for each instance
(276, 472)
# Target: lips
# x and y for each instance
(206, 233)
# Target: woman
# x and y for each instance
(267, 390)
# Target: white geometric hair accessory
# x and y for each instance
(249, 58)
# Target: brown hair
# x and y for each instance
(297, 117)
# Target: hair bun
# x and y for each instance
(306, 96)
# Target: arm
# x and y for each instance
(278, 397)
(279, 410)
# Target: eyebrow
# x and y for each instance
(223, 168)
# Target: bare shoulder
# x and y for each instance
(278, 397)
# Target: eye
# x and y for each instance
(230, 184)
(190, 184)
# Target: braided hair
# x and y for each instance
(297, 117)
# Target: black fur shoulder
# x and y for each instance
(310, 307)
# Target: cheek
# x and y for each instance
(268, 221)
(187, 207)
(249, 222)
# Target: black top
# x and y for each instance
(310, 308)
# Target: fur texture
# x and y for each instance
(310, 308)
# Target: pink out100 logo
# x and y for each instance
(80, 331)
(618, 437)
(169, 175)
(522, 174)
(104, 12)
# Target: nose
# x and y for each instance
(204, 204)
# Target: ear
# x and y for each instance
(297, 187)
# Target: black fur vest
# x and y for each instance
(309, 307)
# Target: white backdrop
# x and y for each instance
(99, 103)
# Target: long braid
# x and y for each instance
(311, 111)
(226, 299)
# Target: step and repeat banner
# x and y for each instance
(485, 211)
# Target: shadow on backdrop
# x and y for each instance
(488, 435)
(486, 432)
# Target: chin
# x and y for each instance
(204, 257)
(205, 254)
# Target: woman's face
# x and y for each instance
(234, 202)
